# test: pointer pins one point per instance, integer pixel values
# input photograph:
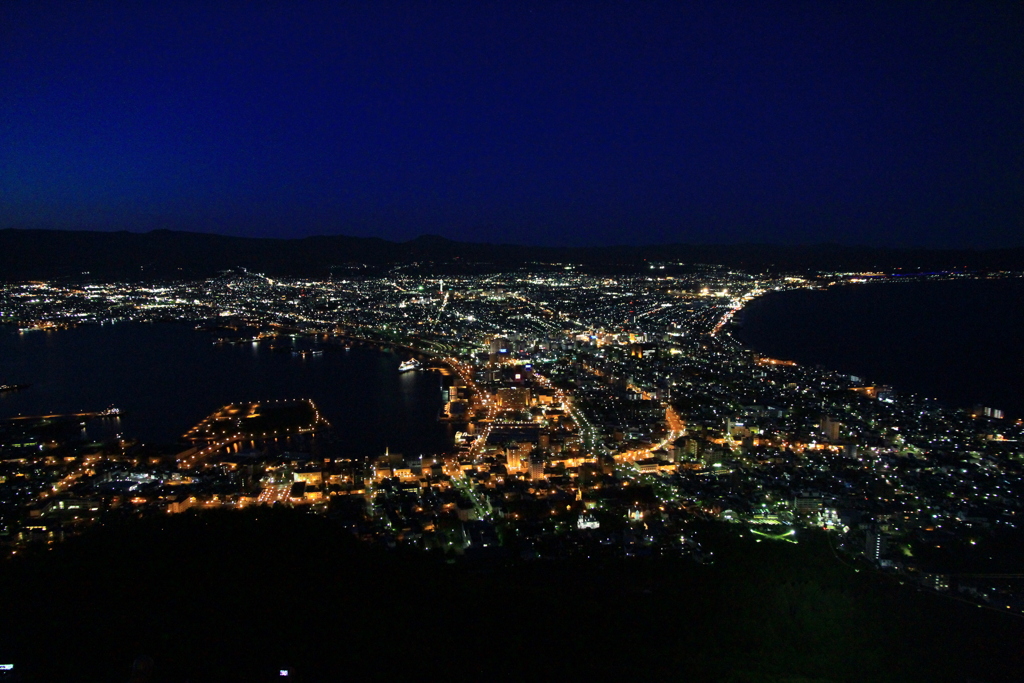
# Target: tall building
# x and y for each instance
(874, 545)
(537, 467)
(830, 428)
(501, 348)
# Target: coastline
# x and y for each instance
(910, 337)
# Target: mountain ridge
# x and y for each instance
(162, 253)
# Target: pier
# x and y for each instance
(109, 412)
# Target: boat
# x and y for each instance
(410, 364)
(12, 387)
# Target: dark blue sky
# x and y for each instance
(584, 122)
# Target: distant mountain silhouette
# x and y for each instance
(45, 254)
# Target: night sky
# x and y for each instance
(559, 123)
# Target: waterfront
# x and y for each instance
(598, 419)
(955, 341)
(166, 377)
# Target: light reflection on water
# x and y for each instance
(167, 377)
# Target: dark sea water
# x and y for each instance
(167, 377)
(961, 342)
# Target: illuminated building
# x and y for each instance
(536, 467)
(874, 545)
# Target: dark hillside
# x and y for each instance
(237, 596)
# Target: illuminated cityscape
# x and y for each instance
(569, 340)
(592, 415)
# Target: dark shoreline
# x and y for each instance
(950, 340)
